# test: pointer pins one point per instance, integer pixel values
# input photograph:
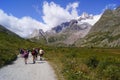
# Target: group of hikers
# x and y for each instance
(35, 52)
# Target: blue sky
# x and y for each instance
(26, 15)
(20, 8)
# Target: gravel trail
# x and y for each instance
(41, 70)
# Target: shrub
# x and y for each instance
(92, 62)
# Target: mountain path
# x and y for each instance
(41, 70)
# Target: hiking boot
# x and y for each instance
(40, 59)
(33, 62)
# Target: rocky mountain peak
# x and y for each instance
(85, 16)
(37, 33)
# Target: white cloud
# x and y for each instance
(23, 26)
(73, 6)
(54, 14)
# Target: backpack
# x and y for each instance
(21, 51)
(33, 52)
(36, 51)
(25, 55)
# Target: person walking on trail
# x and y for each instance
(25, 55)
(34, 55)
(21, 52)
(41, 53)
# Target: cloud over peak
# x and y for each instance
(54, 14)
(21, 26)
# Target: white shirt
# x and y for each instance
(41, 51)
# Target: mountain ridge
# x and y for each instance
(105, 33)
(65, 33)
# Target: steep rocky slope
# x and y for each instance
(69, 34)
(105, 33)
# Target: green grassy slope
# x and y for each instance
(10, 43)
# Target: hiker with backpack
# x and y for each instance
(41, 53)
(21, 52)
(34, 55)
(25, 56)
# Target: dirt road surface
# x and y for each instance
(41, 70)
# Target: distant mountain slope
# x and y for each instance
(38, 36)
(60, 27)
(8, 38)
(105, 33)
(67, 33)
(4, 30)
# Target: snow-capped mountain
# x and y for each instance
(67, 32)
(85, 16)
